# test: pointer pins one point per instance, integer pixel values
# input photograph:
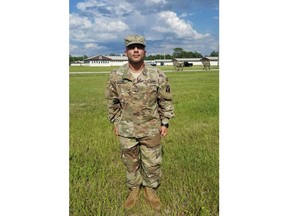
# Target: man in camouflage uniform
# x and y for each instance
(140, 106)
(177, 65)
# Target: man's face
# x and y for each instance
(135, 53)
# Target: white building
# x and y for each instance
(102, 60)
(106, 60)
(198, 61)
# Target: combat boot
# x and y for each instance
(132, 198)
(151, 196)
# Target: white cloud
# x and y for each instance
(102, 29)
(90, 4)
(179, 27)
(153, 2)
(94, 46)
(106, 8)
(73, 47)
(102, 22)
(184, 15)
(79, 22)
(107, 25)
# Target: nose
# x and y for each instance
(136, 49)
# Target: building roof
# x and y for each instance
(107, 58)
(188, 59)
(197, 59)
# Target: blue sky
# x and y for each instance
(100, 26)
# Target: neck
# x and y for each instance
(136, 67)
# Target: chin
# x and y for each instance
(137, 61)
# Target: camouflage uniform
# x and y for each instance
(137, 107)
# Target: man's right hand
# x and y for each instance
(116, 131)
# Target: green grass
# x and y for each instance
(190, 183)
(90, 69)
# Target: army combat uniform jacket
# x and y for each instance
(137, 107)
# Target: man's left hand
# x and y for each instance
(163, 131)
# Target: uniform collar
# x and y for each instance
(128, 75)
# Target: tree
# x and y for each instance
(178, 52)
(197, 55)
(168, 56)
(214, 54)
(73, 59)
(70, 59)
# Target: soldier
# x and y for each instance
(205, 63)
(140, 106)
(177, 65)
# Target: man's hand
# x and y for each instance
(116, 131)
(163, 131)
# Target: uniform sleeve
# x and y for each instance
(113, 102)
(165, 102)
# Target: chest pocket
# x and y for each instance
(124, 88)
(152, 86)
(151, 92)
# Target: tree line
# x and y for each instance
(178, 53)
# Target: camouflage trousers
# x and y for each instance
(142, 158)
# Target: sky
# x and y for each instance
(98, 27)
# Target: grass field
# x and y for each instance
(190, 183)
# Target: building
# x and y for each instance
(198, 61)
(102, 60)
(194, 61)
